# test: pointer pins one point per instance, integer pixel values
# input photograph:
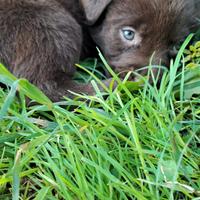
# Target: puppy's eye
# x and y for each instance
(128, 33)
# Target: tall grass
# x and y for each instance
(139, 141)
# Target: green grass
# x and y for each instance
(136, 142)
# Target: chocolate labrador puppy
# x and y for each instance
(41, 40)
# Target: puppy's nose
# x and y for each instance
(172, 53)
(162, 59)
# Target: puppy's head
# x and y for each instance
(129, 32)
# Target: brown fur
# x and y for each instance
(41, 40)
(159, 23)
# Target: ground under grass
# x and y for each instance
(139, 141)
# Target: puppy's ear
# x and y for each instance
(93, 9)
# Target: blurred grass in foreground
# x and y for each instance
(133, 143)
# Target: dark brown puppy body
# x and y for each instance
(41, 40)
